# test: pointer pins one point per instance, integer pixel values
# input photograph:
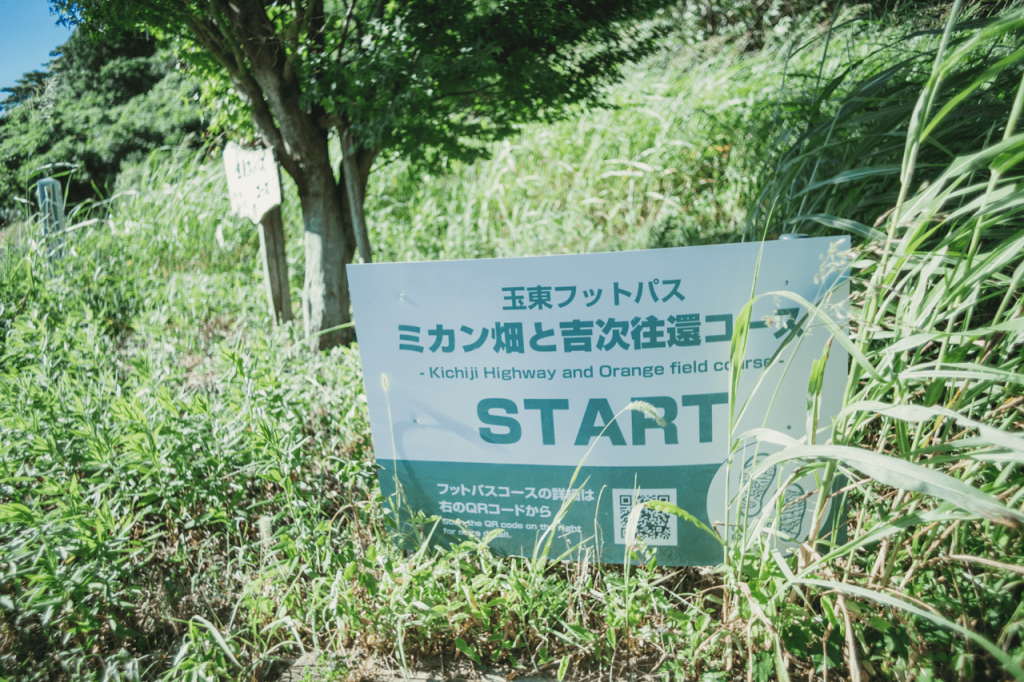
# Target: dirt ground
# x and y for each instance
(322, 666)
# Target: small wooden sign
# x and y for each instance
(253, 183)
(255, 190)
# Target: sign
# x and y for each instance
(51, 206)
(255, 190)
(490, 381)
(253, 183)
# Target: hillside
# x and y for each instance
(187, 492)
(101, 102)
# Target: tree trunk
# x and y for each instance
(325, 297)
(300, 145)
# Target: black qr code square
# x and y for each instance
(653, 527)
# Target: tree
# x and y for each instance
(427, 79)
(96, 106)
(31, 84)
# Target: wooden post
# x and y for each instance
(275, 265)
(254, 185)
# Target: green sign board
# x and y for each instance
(490, 381)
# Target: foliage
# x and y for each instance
(669, 165)
(404, 87)
(434, 96)
(31, 84)
(185, 493)
(918, 157)
(99, 104)
(429, 81)
(843, 139)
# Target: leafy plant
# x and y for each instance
(185, 492)
(426, 81)
(925, 449)
(98, 106)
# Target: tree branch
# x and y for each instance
(246, 85)
(351, 7)
(303, 150)
(316, 28)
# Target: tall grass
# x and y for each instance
(919, 160)
(186, 493)
(669, 165)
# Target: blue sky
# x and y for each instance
(29, 33)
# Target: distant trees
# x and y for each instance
(98, 104)
(31, 84)
(429, 80)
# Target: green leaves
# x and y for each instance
(461, 645)
(929, 433)
(919, 413)
(158, 450)
(107, 102)
(899, 474)
(1005, 659)
(13, 512)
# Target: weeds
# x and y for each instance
(186, 493)
(925, 447)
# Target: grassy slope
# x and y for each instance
(188, 492)
(673, 163)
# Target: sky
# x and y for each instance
(29, 33)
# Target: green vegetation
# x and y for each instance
(98, 106)
(187, 493)
(429, 82)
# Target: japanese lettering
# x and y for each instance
(577, 335)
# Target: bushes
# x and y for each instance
(188, 492)
(100, 104)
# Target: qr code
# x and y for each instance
(654, 528)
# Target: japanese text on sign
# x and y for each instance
(253, 183)
(488, 382)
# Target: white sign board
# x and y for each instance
(488, 382)
(253, 183)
